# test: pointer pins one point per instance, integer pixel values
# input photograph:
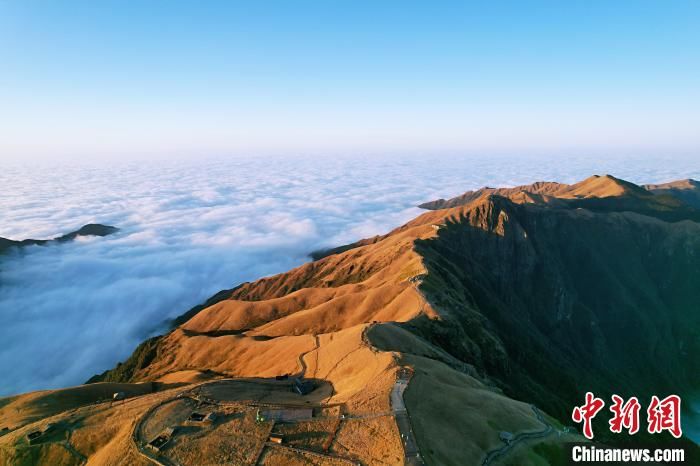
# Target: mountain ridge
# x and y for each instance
(595, 190)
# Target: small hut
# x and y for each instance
(34, 436)
(118, 396)
(201, 418)
(37, 435)
(159, 443)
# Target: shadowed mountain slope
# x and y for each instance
(549, 300)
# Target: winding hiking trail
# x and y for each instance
(302, 363)
(497, 453)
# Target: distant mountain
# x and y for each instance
(92, 229)
(498, 310)
(686, 190)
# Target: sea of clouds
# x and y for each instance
(191, 228)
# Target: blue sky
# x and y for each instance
(165, 78)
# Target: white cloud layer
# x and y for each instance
(189, 229)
